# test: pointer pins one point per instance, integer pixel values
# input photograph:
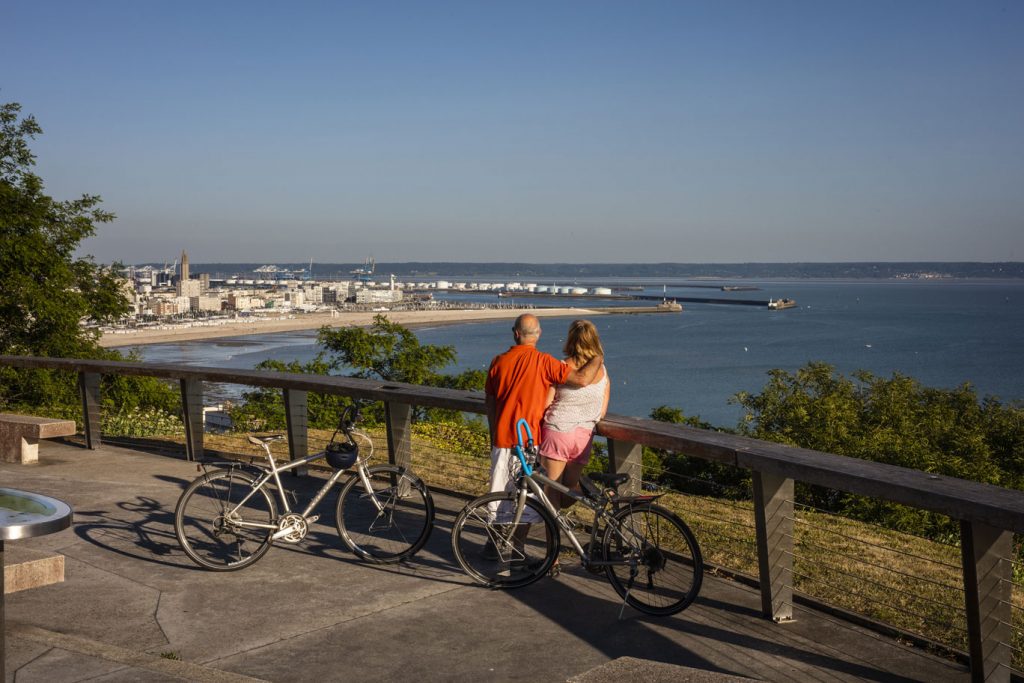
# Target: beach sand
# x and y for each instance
(317, 320)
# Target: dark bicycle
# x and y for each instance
(511, 539)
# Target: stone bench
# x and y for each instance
(20, 435)
(26, 568)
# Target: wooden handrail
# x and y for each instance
(957, 498)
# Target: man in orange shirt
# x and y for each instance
(517, 387)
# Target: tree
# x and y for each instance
(391, 352)
(892, 420)
(387, 351)
(45, 290)
(263, 408)
(691, 474)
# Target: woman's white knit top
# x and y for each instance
(576, 406)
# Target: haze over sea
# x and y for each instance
(941, 332)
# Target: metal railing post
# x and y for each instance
(773, 521)
(89, 389)
(628, 457)
(986, 553)
(192, 417)
(297, 416)
(398, 417)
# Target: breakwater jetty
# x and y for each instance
(772, 304)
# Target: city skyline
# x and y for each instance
(565, 132)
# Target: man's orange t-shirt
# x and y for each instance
(518, 380)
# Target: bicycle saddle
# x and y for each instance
(260, 440)
(612, 479)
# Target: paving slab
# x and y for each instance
(132, 600)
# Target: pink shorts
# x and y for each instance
(571, 446)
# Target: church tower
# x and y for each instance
(184, 265)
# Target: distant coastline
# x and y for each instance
(568, 272)
(233, 328)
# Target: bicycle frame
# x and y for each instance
(530, 481)
(274, 472)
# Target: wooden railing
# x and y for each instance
(988, 515)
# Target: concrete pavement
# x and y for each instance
(133, 607)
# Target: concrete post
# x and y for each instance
(628, 457)
(398, 417)
(192, 416)
(773, 520)
(986, 553)
(89, 389)
(297, 415)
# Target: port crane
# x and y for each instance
(365, 273)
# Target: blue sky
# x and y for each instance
(543, 132)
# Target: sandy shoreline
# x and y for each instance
(316, 321)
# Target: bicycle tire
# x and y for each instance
(396, 530)
(669, 562)
(209, 533)
(516, 561)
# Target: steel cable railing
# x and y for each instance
(892, 570)
(804, 507)
(887, 588)
(887, 607)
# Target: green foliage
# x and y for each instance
(689, 474)
(892, 420)
(141, 422)
(460, 437)
(46, 291)
(263, 408)
(386, 351)
(391, 352)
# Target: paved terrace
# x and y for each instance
(133, 607)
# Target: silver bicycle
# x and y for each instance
(228, 518)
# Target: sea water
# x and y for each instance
(943, 333)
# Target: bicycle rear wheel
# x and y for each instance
(658, 567)
(222, 522)
(390, 522)
(499, 554)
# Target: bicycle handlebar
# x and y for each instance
(349, 417)
(519, 450)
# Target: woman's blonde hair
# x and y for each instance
(582, 343)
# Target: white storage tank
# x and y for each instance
(603, 291)
(577, 291)
(443, 284)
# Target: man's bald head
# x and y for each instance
(526, 329)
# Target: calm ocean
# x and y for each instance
(943, 333)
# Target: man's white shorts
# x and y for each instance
(502, 479)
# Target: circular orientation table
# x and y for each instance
(24, 514)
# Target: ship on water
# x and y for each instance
(779, 304)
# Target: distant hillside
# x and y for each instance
(577, 271)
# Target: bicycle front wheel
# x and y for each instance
(389, 522)
(222, 522)
(499, 554)
(657, 566)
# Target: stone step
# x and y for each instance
(26, 568)
(633, 669)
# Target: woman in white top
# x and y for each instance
(567, 430)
